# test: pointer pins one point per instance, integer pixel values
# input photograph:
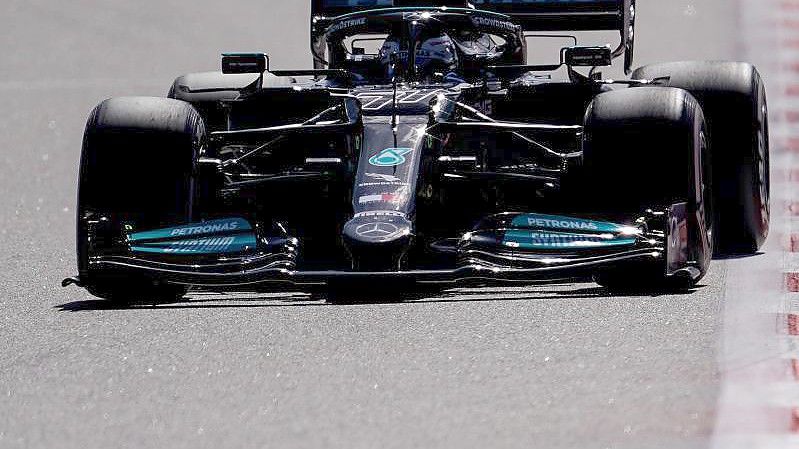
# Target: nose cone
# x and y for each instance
(378, 240)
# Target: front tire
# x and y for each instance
(646, 148)
(136, 170)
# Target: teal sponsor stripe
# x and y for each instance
(559, 240)
(542, 221)
(227, 225)
(204, 245)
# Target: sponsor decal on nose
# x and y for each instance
(380, 198)
(383, 177)
(390, 157)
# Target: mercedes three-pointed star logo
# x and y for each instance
(379, 230)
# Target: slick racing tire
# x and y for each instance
(733, 98)
(646, 148)
(136, 170)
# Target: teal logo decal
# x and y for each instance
(555, 222)
(555, 232)
(204, 245)
(558, 240)
(230, 235)
(390, 157)
(228, 225)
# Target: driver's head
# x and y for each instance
(435, 55)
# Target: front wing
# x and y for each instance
(506, 248)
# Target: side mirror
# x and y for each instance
(588, 56)
(244, 63)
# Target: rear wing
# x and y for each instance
(532, 15)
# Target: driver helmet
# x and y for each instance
(434, 55)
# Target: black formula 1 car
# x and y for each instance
(424, 150)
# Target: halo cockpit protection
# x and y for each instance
(530, 15)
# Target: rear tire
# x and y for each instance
(645, 148)
(136, 170)
(733, 98)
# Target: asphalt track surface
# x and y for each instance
(557, 367)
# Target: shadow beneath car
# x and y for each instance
(196, 300)
(576, 293)
(214, 300)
